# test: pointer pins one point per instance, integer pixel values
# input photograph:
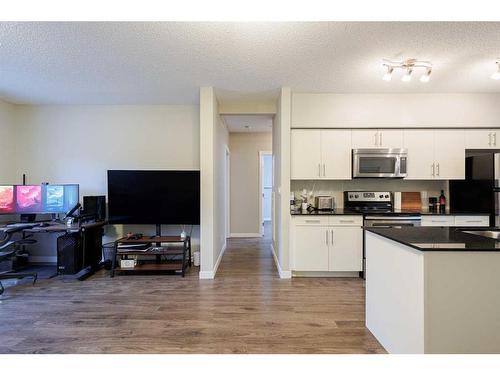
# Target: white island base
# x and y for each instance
(432, 301)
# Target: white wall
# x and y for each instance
(245, 187)
(78, 144)
(213, 143)
(395, 110)
(281, 188)
(7, 143)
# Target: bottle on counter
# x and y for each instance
(442, 202)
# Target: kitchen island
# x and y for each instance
(433, 290)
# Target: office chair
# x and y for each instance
(8, 249)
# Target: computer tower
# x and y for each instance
(69, 254)
(95, 206)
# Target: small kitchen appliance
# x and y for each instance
(324, 202)
(379, 163)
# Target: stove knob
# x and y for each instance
(387, 196)
(381, 196)
(356, 196)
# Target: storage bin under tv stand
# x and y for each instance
(157, 265)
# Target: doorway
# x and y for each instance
(266, 189)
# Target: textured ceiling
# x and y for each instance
(249, 123)
(165, 62)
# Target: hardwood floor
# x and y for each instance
(246, 309)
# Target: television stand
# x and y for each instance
(146, 265)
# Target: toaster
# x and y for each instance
(324, 202)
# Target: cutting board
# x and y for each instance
(411, 201)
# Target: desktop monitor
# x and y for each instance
(29, 199)
(7, 202)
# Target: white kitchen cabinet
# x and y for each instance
(482, 138)
(345, 249)
(435, 154)
(320, 154)
(336, 156)
(333, 243)
(310, 243)
(377, 138)
(449, 154)
(305, 154)
(455, 221)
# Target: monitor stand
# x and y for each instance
(158, 234)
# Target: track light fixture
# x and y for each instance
(496, 75)
(409, 66)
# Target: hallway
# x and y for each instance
(246, 309)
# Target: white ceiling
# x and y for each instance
(166, 62)
(249, 123)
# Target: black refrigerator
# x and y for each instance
(480, 191)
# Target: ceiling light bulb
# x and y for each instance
(388, 75)
(407, 76)
(496, 75)
(426, 77)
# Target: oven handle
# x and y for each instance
(389, 224)
(394, 218)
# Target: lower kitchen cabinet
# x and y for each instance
(334, 245)
(455, 221)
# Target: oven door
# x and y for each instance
(379, 163)
(387, 222)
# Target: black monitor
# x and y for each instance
(153, 197)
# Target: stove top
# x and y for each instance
(368, 201)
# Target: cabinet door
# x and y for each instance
(390, 138)
(365, 138)
(449, 154)
(484, 138)
(305, 154)
(420, 145)
(437, 221)
(336, 154)
(346, 249)
(310, 248)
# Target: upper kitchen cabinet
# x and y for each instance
(320, 154)
(481, 139)
(435, 154)
(377, 138)
(306, 154)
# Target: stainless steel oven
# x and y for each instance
(379, 163)
(390, 220)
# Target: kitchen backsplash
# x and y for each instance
(336, 188)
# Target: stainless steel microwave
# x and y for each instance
(379, 163)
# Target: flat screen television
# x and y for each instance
(153, 197)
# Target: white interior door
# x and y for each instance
(267, 186)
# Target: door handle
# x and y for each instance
(433, 169)
(324, 170)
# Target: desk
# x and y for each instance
(91, 241)
(157, 266)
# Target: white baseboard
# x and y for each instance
(243, 235)
(211, 274)
(325, 274)
(283, 274)
(43, 259)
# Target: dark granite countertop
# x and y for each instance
(347, 211)
(438, 238)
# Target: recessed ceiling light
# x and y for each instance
(496, 75)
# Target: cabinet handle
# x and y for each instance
(489, 141)
(324, 169)
(438, 173)
(376, 138)
(346, 221)
(332, 235)
(319, 170)
(433, 169)
(495, 139)
(313, 221)
(473, 221)
(380, 135)
(326, 232)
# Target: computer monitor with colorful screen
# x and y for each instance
(38, 199)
